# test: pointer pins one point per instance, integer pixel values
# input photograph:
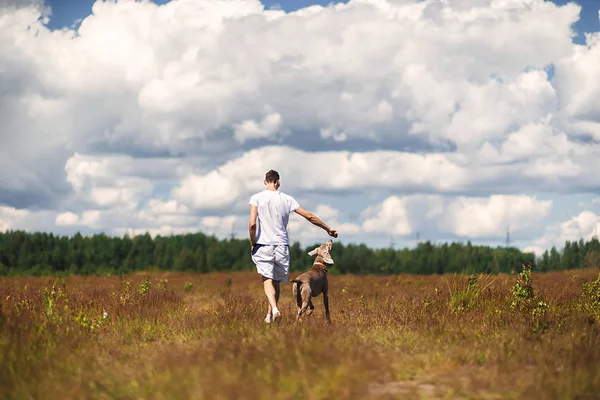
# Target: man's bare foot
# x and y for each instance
(276, 315)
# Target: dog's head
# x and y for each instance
(323, 251)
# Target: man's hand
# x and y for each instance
(252, 225)
(313, 219)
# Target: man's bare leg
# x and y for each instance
(276, 285)
(272, 291)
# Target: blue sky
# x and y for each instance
(66, 12)
(168, 123)
(588, 18)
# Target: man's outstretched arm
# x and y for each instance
(313, 219)
(252, 225)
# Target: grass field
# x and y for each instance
(194, 336)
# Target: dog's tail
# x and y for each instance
(298, 285)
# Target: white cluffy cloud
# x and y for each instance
(428, 115)
(265, 128)
(322, 171)
(10, 217)
(90, 218)
(119, 181)
(467, 217)
(305, 232)
(577, 81)
(584, 225)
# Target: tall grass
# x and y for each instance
(171, 336)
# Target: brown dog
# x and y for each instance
(313, 282)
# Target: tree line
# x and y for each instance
(24, 253)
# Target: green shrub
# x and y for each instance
(526, 300)
(591, 296)
(523, 296)
(463, 300)
(144, 287)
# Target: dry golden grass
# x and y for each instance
(391, 337)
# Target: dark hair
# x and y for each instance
(272, 176)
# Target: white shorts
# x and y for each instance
(272, 261)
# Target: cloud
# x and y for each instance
(218, 226)
(157, 218)
(10, 216)
(10, 5)
(577, 84)
(20, 3)
(466, 217)
(251, 129)
(22, 219)
(322, 171)
(476, 217)
(217, 64)
(209, 191)
(90, 218)
(303, 231)
(391, 217)
(533, 158)
(584, 225)
(119, 181)
(437, 116)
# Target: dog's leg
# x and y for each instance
(326, 304)
(302, 310)
(311, 307)
(296, 293)
(305, 294)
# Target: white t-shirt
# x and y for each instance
(274, 210)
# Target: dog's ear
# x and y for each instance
(313, 252)
(327, 258)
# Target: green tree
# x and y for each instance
(185, 261)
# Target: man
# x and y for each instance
(269, 243)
